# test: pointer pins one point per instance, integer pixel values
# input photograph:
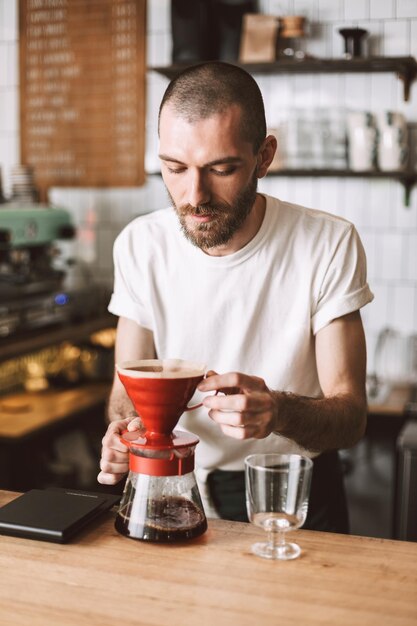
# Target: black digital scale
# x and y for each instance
(53, 514)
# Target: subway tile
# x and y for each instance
(381, 212)
(9, 156)
(410, 260)
(356, 193)
(315, 193)
(307, 8)
(358, 92)
(396, 38)
(373, 42)
(318, 43)
(404, 308)
(330, 10)
(158, 16)
(371, 337)
(9, 30)
(303, 192)
(331, 90)
(265, 185)
(277, 187)
(367, 217)
(305, 91)
(376, 314)
(383, 91)
(4, 79)
(280, 7)
(13, 64)
(9, 110)
(152, 163)
(382, 9)
(281, 99)
(331, 196)
(413, 38)
(356, 9)
(405, 218)
(154, 95)
(406, 8)
(368, 239)
(159, 49)
(390, 254)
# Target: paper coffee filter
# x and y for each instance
(161, 368)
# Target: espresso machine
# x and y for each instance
(29, 283)
(161, 501)
(34, 290)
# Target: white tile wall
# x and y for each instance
(396, 37)
(356, 9)
(382, 9)
(388, 230)
(406, 8)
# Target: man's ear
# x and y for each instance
(266, 154)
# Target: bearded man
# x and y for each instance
(267, 293)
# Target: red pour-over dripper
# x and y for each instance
(161, 501)
(160, 391)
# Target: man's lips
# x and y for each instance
(202, 218)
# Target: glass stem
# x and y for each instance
(276, 538)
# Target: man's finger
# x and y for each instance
(232, 382)
(254, 402)
(109, 479)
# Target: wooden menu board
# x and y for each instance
(82, 92)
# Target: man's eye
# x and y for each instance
(175, 171)
(227, 172)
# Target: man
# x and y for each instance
(265, 292)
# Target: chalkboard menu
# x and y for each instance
(82, 91)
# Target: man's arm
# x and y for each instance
(337, 420)
(132, 342)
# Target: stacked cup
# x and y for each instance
(362, 141)
(392, 141)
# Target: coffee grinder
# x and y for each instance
(161, 501)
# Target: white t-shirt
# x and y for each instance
(255, 311)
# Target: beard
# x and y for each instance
(227, 218)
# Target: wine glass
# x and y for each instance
(277, 492)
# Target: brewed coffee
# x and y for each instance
(168, 519)
(169, 372)
(146, 368)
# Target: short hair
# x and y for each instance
(203, 90)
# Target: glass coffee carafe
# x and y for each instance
(161, 501)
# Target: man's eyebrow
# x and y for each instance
(224, 161)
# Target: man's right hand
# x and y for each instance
(114, 463)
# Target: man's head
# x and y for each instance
(203, 90)
(213, 149)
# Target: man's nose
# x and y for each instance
(198, 191)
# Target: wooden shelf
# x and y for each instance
(407, 179)
(404, 67)
(36, 340)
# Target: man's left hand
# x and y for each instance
(247, 410)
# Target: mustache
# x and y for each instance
(203, 210)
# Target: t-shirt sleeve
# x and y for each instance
(344, 287)
(128, 297)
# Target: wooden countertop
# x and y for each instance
(394, 404)
(104, 579)
(24, 413)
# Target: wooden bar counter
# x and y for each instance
(104, 579)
